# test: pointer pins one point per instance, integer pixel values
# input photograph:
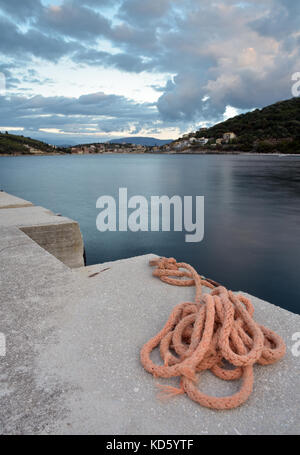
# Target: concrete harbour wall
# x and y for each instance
(73, 337)
(58, 235)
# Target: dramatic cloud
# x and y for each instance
(280, 21)
(211, 55)
(31, 43)
(75, 21)
(122, 61)
(23, 9)
(138, 12)
(97, 112)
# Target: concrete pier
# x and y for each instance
(73, 338)
(58, 235)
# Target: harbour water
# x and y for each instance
(252, 211)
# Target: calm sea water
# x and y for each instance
(252, 211)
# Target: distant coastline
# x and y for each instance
(200, 152)
(273, 130)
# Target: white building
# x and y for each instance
(229, 136)
(203, 141)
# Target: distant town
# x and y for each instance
(188, 143)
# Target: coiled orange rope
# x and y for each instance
(200, 335)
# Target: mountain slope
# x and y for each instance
(11, 143)
(274, 127)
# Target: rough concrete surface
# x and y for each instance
(9, 201)
(73, 343)
(30, 216)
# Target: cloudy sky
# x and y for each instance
(87, 71)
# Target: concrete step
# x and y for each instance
(58, 235)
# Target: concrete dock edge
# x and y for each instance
(72, 347)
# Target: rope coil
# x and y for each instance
(200, 335)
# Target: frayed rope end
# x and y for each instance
(167, 392)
